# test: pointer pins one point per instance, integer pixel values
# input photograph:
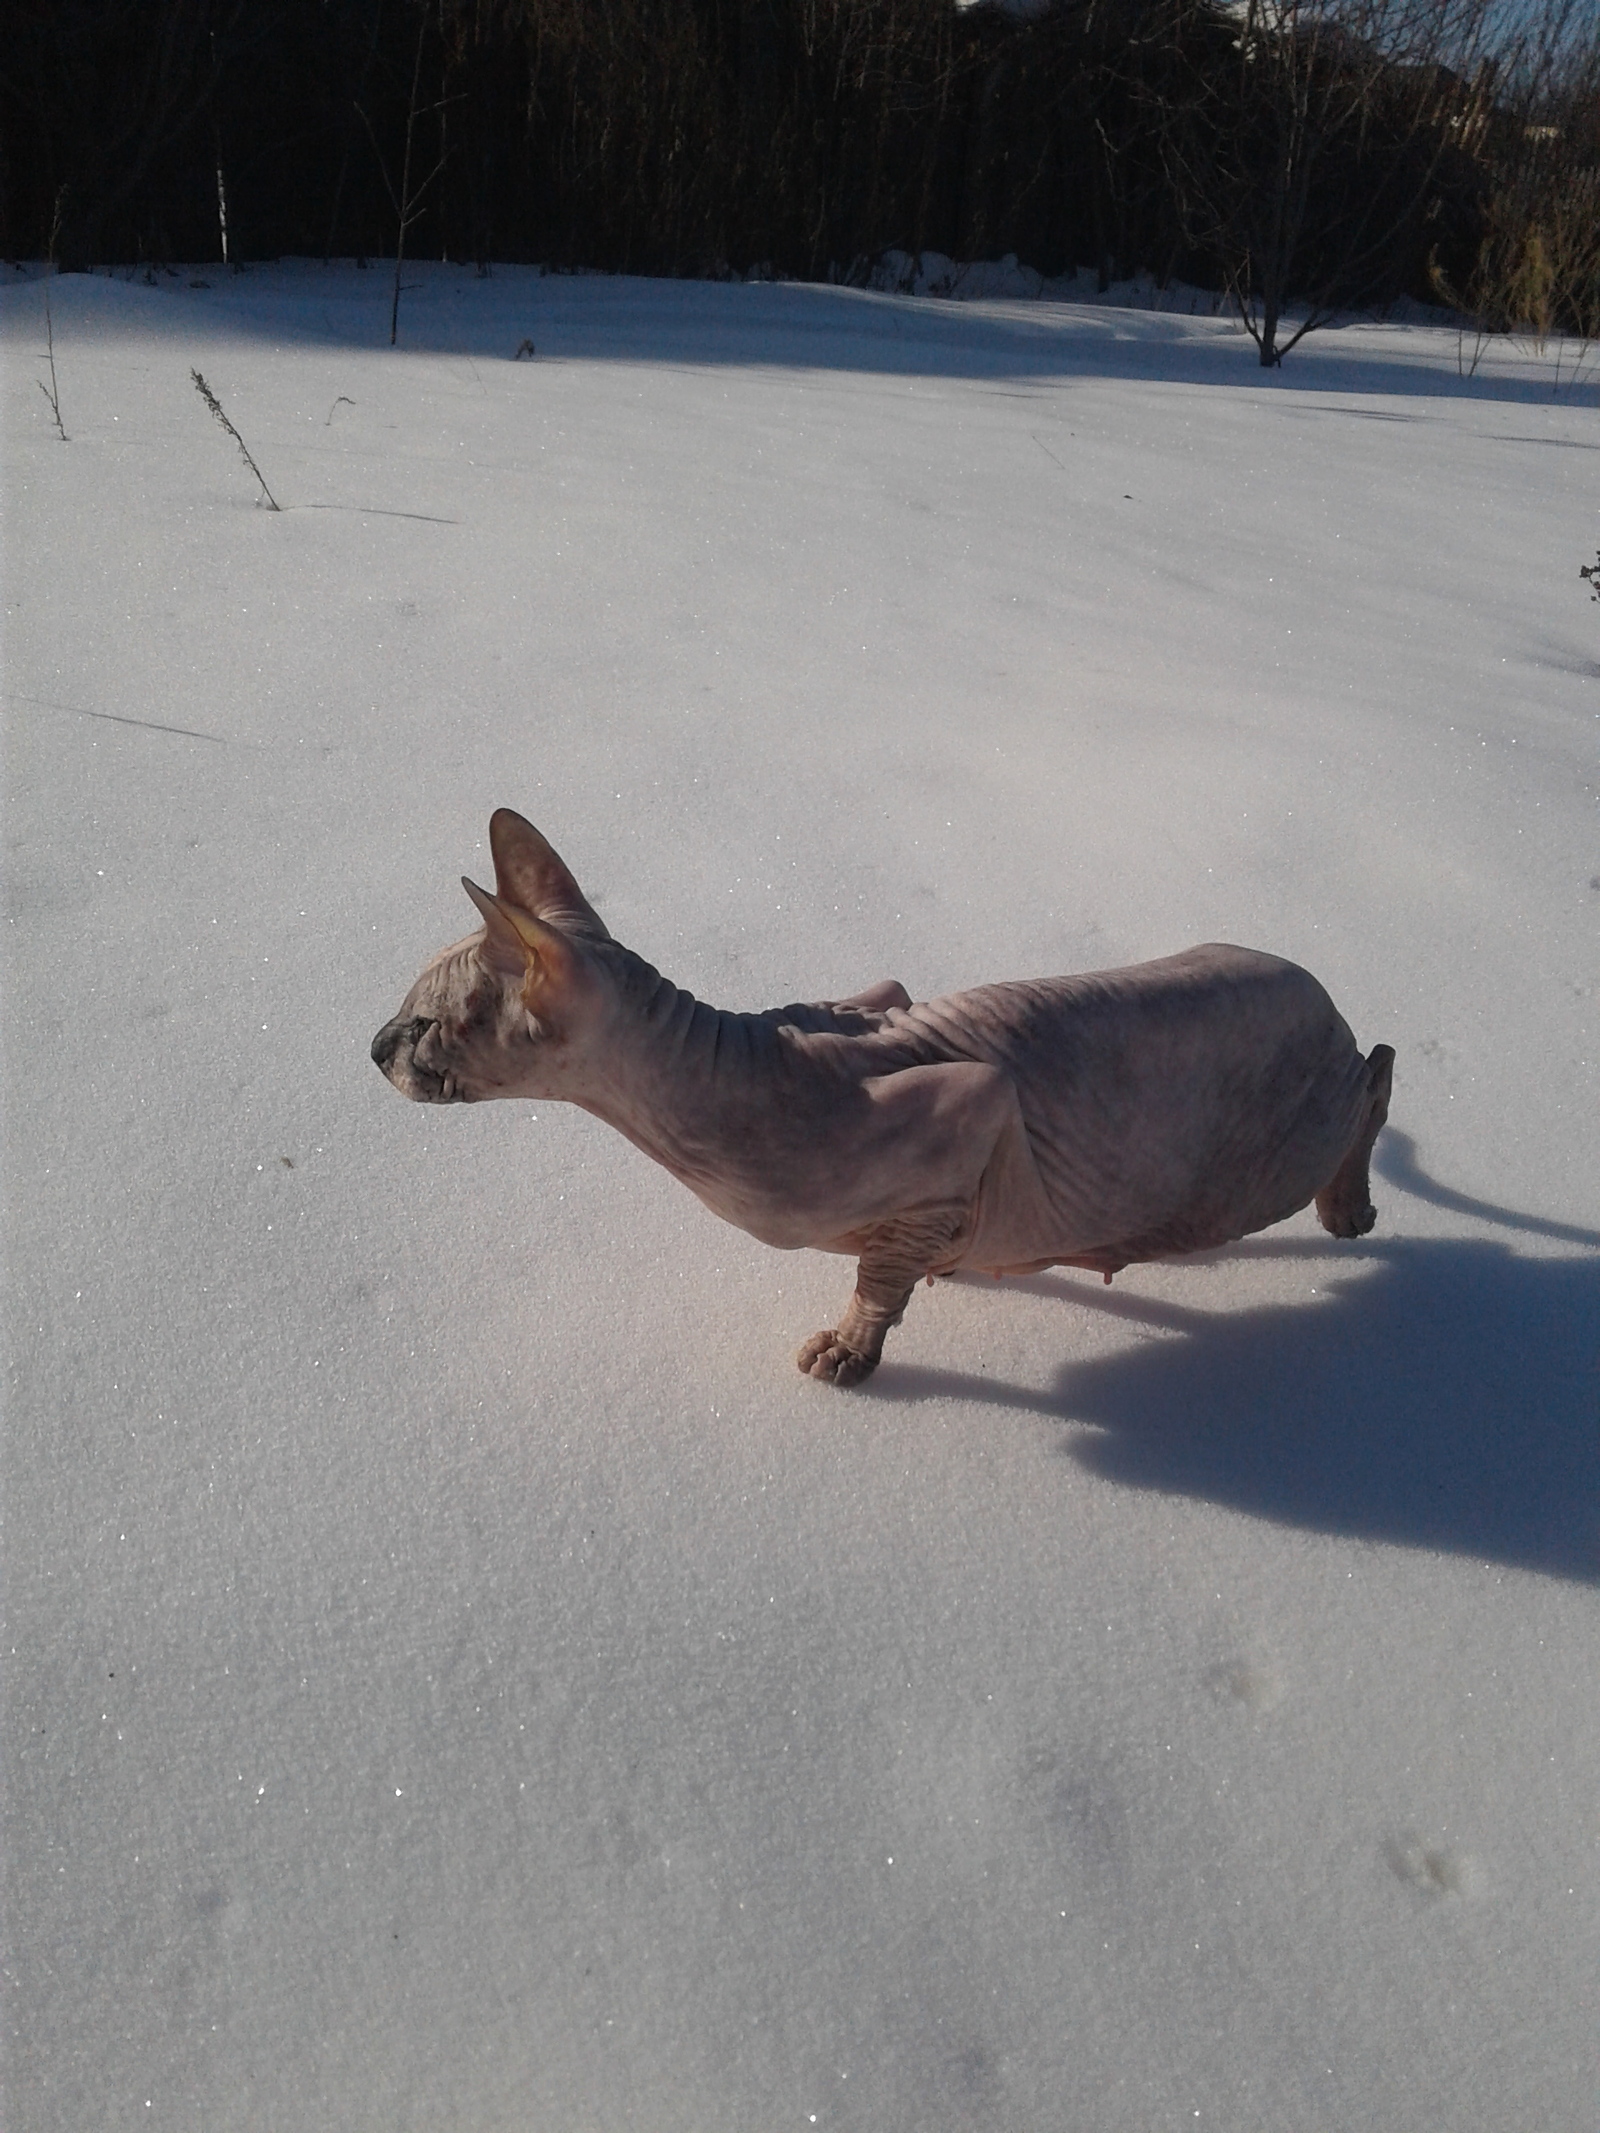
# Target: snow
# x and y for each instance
(457, 1672)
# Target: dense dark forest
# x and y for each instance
(1329, 151)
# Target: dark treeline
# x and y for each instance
(1332, 153)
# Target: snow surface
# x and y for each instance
(458, 1673)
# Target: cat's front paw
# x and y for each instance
(829, 1357)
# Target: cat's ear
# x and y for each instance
(521, 946)
(530, 873)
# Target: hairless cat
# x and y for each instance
(1086, 1121)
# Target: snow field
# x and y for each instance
(457, 1673)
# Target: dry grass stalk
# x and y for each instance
(215, 405)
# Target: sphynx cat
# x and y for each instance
(1086, 1121)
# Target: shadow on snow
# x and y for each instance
(1439, 1393)
(797, 326)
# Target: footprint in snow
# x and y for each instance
(1254, 1683)
(1433, 1870)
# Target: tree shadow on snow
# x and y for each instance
(1022, 346)
(1436, 1393)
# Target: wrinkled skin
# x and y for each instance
(1086, 1121)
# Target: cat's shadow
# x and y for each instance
(1439, 1393)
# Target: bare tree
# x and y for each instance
(1304, 138)
(1534, 265)
(129, 82)
(407, 200)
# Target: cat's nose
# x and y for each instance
(392, 1035)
